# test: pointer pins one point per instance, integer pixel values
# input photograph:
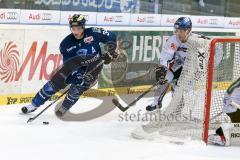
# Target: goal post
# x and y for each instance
(210, 66)
(209, 81)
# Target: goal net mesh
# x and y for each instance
(186, 114)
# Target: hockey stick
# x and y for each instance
(33, 118)
(123, 109)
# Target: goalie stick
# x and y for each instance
(123, 109)
(33, 118)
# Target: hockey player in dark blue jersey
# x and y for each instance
(82, 42)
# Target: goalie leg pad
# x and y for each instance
(232, 133)
(228, 134)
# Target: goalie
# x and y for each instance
(172, 59)
(174, 54)
(229, 132)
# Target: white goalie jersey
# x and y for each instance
(174, 53)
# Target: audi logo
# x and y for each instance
(46, 16)
(12, 15)
(213, 21)
(119, 19)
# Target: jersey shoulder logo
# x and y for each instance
(174, 46)
(96, 29)
(88, 39)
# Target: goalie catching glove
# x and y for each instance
(163, 74)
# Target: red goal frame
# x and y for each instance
(209, 82)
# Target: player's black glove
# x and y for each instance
(161, 72)
(109, 57)
(111, 54)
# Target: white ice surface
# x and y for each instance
(105, 138)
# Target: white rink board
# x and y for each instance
(45, 39)
(38, 56)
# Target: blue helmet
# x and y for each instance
(183, 23)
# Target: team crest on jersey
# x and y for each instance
(88, 39)
(174, 46)
(82, 52)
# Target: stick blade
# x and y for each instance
(30, 120)
(117, 104)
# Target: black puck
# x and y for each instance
(45, 122)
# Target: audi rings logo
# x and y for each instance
(119, 19)
(12, 15)
(9, 62)
(46, 16)
(213, 21)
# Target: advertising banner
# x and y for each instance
(120, 6)
(98, 17)
(40, 17)
(168, 20)
(145, 19)
(28, 56)
(207, 21)
(232, 22)
(139, 54)
(119, 19)
(9, 15)
(91, 17)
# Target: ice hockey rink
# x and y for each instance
(105, 138)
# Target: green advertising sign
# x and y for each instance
(139, 54)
